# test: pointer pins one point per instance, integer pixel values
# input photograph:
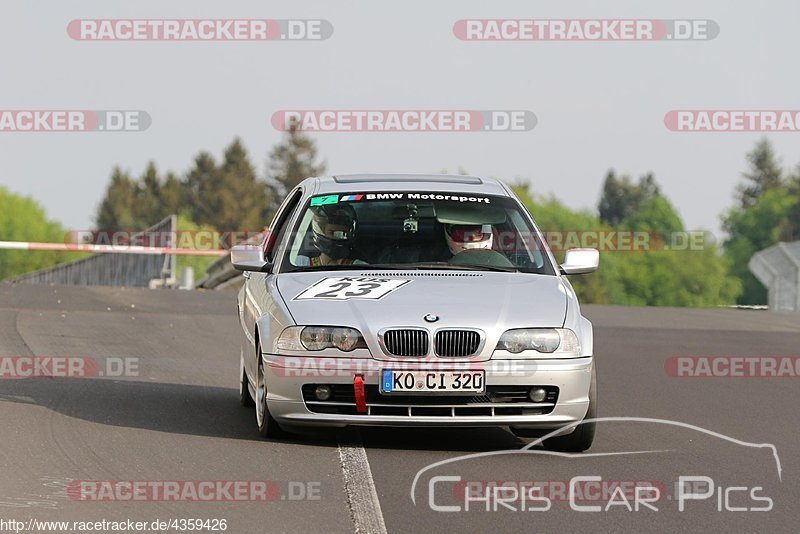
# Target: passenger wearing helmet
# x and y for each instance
(461, 237)
(333, 228)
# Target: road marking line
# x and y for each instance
(365, 507)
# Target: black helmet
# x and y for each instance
(336, 244)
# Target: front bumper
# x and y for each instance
(285, 378)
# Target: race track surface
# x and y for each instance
(176, 417)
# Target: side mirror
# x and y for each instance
(249, 258)
(580, 261)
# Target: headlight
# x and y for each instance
(345, 339)
(545, 340)
(316, 338)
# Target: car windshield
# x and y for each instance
(422, 230)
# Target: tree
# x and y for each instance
(652, 277)
(765, 174)
(655, 214)
(228, 196)
(172, 195)
(147, 206)
(621, 198)
(790, 228)
(244, 201)
(292, 161)
(200, 187)
(768, 211)
(138, 204)
(752, 229)
(556, 221)
(694, 278)
(23, 219)
(116, 211)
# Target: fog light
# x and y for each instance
(537, 394)
(323, 393)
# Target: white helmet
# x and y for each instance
(461, 237)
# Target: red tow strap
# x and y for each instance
(358, 389)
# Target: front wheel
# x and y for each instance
(583, 435)
(268, 427)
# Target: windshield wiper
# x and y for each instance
(350, 267)
(404, 266)
(463, 267)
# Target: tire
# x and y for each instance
(245, 399)
(583, 435)
(268, 427)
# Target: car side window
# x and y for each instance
(280, 225)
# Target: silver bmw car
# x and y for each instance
(414, 300)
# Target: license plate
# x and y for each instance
(433, 382)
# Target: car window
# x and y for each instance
(447, 230)
(280, 225)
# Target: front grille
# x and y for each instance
(456, 342)
(498, 400)
(406, 342)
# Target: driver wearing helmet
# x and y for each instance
(333, 229)
(461, 237)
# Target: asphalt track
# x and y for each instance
(179, 420)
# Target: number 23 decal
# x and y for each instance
(347, 287)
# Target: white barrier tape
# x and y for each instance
(122, 249)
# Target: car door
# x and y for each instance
(255, 298)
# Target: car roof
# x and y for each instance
(447, 183)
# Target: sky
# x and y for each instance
(599, 105)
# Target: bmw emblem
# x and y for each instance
(431, 318)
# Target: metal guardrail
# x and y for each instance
(221, 274)
(111, 269)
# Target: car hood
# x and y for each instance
(489, 301)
